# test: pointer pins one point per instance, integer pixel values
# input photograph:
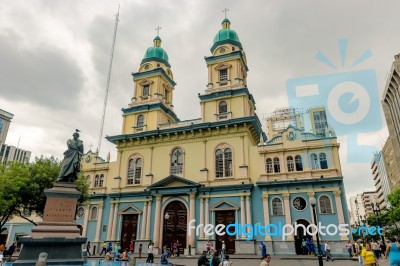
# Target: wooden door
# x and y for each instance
(129, 229)
(226, 218)
(176, 225)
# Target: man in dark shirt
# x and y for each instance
(202, 261)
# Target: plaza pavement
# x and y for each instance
(276, 261)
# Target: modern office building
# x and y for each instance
(368, 197)
(357, 210)
(10, 153)
(5, 120)
(392, 165)
(391, 103)
(381, 181)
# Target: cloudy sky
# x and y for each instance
(54, 59)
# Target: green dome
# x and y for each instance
(226, 35)
(156, 53)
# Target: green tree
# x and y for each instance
(22, 187)
(394, 200)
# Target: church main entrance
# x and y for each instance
(226, 218)
(176, 227)
(300, 235)
(129, 229)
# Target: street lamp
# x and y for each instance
(313, 202)
(377, 212)
(166, 218)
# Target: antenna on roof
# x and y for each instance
(108, 81)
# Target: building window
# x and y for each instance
(277, 167)
(268, 166)
(140, 121)
(320, 123)
(222, 107)
(96, 181)
(93, 213)
(166, 95)
(176, 161)
(134, 171)
(146, 90)
(223, 75)
(325, 204)
(322, 161)
(101, 180)
(277, 207)
(223, 162)
(88, 179)
(314, 161)
(290, 163)
(299, 163)
(299, 203)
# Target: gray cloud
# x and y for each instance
(43, 75)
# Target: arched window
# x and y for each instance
(223, 75)
(134, 171)
(176, 161)
(223, 162)
(146, 90)
(325, 205)
(96, 181)
(290, 163)
(277, 208)
(323, 162)
(268, 166)
(140, 121)
(88, 179)
(93, 213)
(101, 180)
(299, 163)
(277, 166)
(314, 161)
(222, 107)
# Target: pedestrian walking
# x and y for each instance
(88, 248)
(104, 249)
(368, 256)
(393, 252)
(150, 255)
(328, 251)
(349, 248)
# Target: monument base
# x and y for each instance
(61, 251)
(58, 234)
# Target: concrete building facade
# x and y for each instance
(5, 120)
(391, 107)
(381, 181)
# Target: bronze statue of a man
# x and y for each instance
(72, 160)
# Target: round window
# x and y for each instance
(299, 203)
(146, 67)
(80, 212)
(222, 50)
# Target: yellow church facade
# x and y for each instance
(173, 176)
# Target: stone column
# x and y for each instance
(85, 220)
(248, 210)
(115, 224)
(157, 222)
(242, 214)
(266, 214)
(148, 219)
(339, 209)
(99, 220)
(286, 203)
(201, 217)
(207, 221)
(192, 216)
(110, 222)
(144, 221)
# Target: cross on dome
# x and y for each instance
(158, 30)
(225, 11)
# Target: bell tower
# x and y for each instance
(226, 95)
(151, 105)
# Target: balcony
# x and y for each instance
(180, 124)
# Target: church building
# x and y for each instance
(220, 168)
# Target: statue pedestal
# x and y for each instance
(58, 234)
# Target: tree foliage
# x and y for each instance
(22, 187)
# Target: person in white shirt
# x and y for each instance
(328, 251)
(150, 255)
